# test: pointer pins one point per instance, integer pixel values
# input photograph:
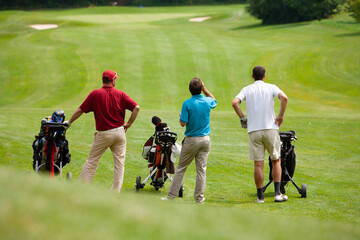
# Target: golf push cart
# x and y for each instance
(288, 163)
(50, 147)
(160, 150)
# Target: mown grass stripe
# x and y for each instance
(156, 59)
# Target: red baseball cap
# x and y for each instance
(110, 74)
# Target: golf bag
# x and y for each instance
(160, 150)
(50, 147)
(288, 163)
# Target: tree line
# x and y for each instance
(269, 11)
(38, 4)
(183, 2)
(48, 4)
(290, 11)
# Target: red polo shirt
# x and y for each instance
(109, 105)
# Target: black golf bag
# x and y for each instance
(288, 163)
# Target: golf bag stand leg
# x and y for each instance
(168, 175)
(264, 188)
(36, 167)
(155, 170)
(297, 187)
(60, 169)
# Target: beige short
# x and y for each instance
(261, 140)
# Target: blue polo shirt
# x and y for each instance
(195, 112)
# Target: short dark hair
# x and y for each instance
(106, 80)
(195, 86)
(258, 72)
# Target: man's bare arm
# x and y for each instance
(236, 105)
(132, 117)
(75, 115)
(283, 103)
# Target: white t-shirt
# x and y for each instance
(259, 98)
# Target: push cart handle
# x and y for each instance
(291, 135)
(165, 132)
(55, 125)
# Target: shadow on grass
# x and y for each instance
(290, 25)
(347, 22)
(251, 197)
(151, 189)
(355, 34)
(246, 27)
(277, 26)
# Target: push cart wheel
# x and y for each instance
(181, 191)
(138, 184)
(303, 190)
(69, 176)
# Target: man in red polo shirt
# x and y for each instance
(109, 105)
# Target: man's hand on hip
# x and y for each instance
(279, 120)
(126, 126)
(243, 122)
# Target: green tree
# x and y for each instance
(288, 11)
(354, 9)
(31, 4)
(183, 2)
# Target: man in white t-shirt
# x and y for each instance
(263, 128)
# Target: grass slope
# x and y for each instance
(156, 51)
(47, 208)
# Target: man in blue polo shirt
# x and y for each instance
(195, 115)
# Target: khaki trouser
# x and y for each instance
(193, 147)
(116, 141)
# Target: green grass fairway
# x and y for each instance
(70, 210)
(156, 52)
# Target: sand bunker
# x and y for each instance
(199, 19)
(44, 26)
